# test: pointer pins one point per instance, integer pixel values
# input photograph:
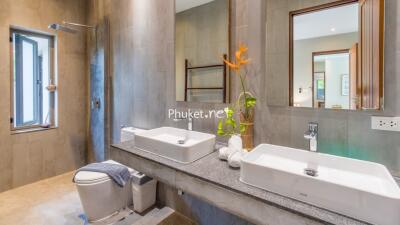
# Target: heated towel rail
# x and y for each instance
(188, 68)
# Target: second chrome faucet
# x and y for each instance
(312, 135)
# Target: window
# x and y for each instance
(33, 89)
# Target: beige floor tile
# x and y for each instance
(53, 201)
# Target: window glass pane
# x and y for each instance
(44, 71)
(32, 102)
(28, 82)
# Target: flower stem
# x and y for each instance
(245, 95)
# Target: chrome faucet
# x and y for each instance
(189, 120)
(190, 123)
(189, 128)
(312, 135)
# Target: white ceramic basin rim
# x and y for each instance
(359, 189)
(165, 142)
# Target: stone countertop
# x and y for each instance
(215, 171)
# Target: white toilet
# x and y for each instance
(101, 198)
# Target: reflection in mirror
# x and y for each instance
(201, 44)
(333, 67)
(336, 56)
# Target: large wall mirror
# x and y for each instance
(336, 55)
(202, 40)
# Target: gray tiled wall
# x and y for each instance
(143, 82)
(143, 78)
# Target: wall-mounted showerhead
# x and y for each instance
(66, 26)
(70, 28)
(78, 25)
(61, 27)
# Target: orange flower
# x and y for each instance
(239, 59)
(232, 65)
(243, 48)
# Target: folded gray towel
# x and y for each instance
(118, 173)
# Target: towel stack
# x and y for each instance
(233, 153)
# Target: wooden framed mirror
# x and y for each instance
(343, 40)
(202, 41)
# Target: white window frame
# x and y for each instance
(52, 74)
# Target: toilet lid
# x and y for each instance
(87, 177)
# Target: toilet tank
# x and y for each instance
(128, 133)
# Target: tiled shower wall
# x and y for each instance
(29, 157)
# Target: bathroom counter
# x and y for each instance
(214, 181)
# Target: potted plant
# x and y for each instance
(243, 108)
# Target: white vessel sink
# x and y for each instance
(164, 141)
(358, 189)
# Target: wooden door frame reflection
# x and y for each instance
(292, 14)
(330, 52)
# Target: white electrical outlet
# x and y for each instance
(385, 123)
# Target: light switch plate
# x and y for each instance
(385, 123)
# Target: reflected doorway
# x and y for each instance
(334, 76)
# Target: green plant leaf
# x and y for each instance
(220, 130)
(229, 112)
(228, 126)
(231, 122)
(250, 102)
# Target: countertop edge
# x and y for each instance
(329, 214)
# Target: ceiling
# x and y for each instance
(182, 5)
(327, 22)
(323, 58)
